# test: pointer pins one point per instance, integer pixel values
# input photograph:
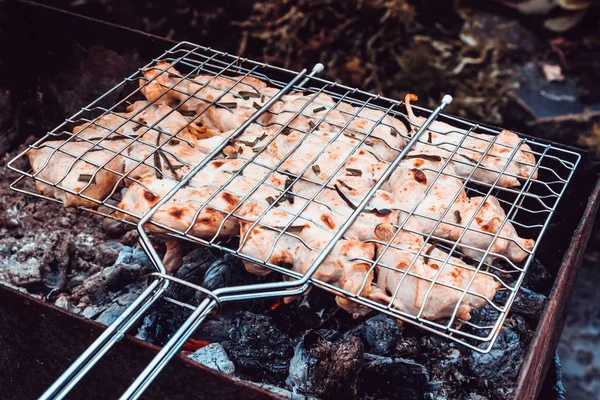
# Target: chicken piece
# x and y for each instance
(444, 138)
(82, 170)
(321, 158)
(163, 84)
(265, 244)
(179, 213)
(173, 258)
(212, 219)
(303, 112)
(407, 293)
(387, 135)
(165, 118)
(416, 184)
(331, 208)
(236, 98)
(247, 182)
(170, 159)
(484, 226)
(346, 267)
(235, 102)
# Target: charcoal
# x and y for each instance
(215, 329)
(227, 271)
(286, 394)
(215, 357)
(95, 287)
(379, 334)
(521, 326)
(106, 254)
(447, 366)
(111, 279)
(76, 281)
(538, 278)
(385, 377)
(24, 273)
(164, 320)
(57, 260)
(193, 270)
(326, 369)
(63, 301)
(406, 347)
(316, 308)
(114, 229)
(500, 367)
(122, 275)
(119, 303)
(258, 348)
(527, 303)
(91, 312)
(195, 264)
(482, 317)
(130, 238)
(129, 255)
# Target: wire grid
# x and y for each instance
(325, 104)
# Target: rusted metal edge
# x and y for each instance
(551, 324)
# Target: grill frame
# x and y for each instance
(205, 60)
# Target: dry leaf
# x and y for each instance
(536, 6)
(574, 4)
(565, 22)
(553, 73)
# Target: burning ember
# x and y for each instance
(276, 304)
(194, 344)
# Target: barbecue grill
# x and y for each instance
(530, 207)
(558, 162)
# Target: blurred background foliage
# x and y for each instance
(474, 50)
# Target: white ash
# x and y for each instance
(25, 273)
(214, 356)
(281, 392)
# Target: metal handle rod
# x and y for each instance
(171, 348)
(61, 387)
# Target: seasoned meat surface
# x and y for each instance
(288, 183)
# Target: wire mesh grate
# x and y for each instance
(390, 206)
